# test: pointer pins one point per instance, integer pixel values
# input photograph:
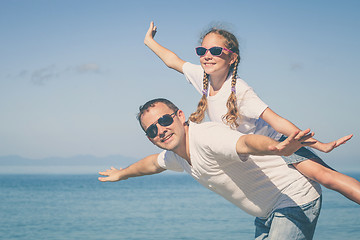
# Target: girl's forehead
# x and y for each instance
(214, 38)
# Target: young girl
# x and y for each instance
(228, 99)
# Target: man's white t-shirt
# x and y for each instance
(258, 185)
(249, 104)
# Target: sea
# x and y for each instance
(162, 206)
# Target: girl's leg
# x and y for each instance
(318, 171)
(311, 165)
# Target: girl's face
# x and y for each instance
(216, 66)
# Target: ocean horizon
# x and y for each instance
(163, 206)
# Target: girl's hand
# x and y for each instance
(170, 59)
(328, 147)
(150, 34)
(112, 174)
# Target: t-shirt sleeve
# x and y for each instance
(225, 140)
(170, 161)
(194, 75)
(219, 142)
(251, 105)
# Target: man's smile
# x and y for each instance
(166, 137)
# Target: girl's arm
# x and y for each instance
(146, 166)
(168, 57)
(285, 127)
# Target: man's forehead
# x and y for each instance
(158, 107)
(155, 111)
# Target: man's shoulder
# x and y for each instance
(210, 130)
(207, 125)
(214, 139)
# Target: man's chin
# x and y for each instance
(167, 146)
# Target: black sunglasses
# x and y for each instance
(215, 51)
(164, 121)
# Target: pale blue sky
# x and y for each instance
(73, 73)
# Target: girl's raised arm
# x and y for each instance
(168, 57)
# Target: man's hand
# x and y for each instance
(112, 174)
(293, 143)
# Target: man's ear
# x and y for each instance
(181, 116)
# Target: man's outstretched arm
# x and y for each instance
(145, 166)
(261, 145)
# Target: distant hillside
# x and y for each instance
(81, 163)
(14, 160)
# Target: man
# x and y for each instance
(286, 204)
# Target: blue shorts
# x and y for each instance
(300, 155)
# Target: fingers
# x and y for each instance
(109, 171)
(306, 135)
(295, 141)
(152, 26)
(103, 173)
(293, 135)
(152, 29)
(106, 173)
(102, 179)
(302, 136)
(350, 136)
(343, 140)
(112, 175)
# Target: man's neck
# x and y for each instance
(183, 150)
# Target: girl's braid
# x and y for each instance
(199, 114)
(232, 116)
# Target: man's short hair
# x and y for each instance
(152, 103)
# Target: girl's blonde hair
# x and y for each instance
(232, 115)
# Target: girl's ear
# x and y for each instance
(234, 57)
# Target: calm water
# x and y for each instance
(153, 207)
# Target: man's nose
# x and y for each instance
(162, 131)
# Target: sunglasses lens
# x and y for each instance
(152, 131)
(166, 120)
(216, 51)
(200, 51)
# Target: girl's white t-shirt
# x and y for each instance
(250, 106)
